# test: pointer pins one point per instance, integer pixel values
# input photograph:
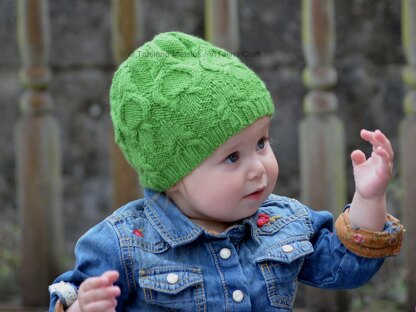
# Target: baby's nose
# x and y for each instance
(256, 169)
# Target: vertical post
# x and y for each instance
(408, 145)
(222, 24)
(124, 178)
(38, 158)
(322, 147)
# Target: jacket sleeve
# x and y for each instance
(332, 265)
(370, 244)
(96, 252)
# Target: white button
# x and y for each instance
(238, 295)
(172, 278)
(225, 253)
(287, 248)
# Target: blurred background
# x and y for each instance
(363, 47)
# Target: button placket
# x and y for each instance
(225, 253)
(238, 295)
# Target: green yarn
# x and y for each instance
(175, 100)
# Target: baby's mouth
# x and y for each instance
(256, 194)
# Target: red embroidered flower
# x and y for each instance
(138, 232)
(262, 219)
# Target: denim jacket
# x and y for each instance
(168, 263)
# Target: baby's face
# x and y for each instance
(232, 183)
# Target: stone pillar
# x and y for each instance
(124, 178)
(38, 158)
(408, 146)
(222, 24)
(322, 142)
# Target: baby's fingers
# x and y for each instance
(385, 160)
(357, 157)
(100, 294)
(384, 143)
(112, 276)
(377, 138)
(106, 279)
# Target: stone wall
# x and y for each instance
(368, 59)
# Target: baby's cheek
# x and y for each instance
(273, 170)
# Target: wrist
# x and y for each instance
(368, 213)
(74, 307)
(375, 201)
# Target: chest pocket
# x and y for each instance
(280, 266)
(176, 288)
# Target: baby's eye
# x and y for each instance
(261, 144)
(232, 158)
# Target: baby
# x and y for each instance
(209, 235)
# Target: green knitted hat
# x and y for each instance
(175, 100)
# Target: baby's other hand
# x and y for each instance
(372, 175)
(98, 294)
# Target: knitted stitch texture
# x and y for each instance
(175, 100)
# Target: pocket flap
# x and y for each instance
(171, 280)
(287, 252)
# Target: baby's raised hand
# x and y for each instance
(98, 294)
(372, 175)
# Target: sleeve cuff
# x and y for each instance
(370, 244)
(66, 292)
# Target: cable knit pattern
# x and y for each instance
(175, 100)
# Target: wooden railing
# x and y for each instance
(124, 178)
(322, 134)
(407, 151)
(322, 137)
(38, 157)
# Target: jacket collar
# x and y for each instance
(175, 228)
